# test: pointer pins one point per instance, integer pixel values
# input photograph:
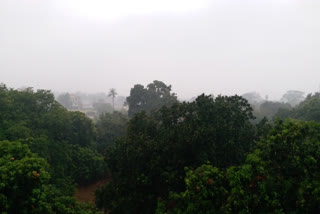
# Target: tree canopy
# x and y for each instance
(153, 97)
(150, 160)
(307, 110)
(280, 176)
(205, 156)
(56, 144)
(293, 97)
(25, 184)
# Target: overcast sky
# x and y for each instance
(217, 46)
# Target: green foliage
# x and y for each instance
(24, 184)
(253, 98)
(82, 130)
(149, 162)
(269, 109)
(64, 140)
(153, 97)
(68, 205)
(206, 191)
(293, 97)
(22, 175)
(281, 176)
(65, 100)
(69, 162)
(28, 114)
(160, 161)
(263, 128)
(87, 165)
(52, 132)
(307, 110)
(109, 128)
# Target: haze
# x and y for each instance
(218, 46)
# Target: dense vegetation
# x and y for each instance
(150, 98)
(150, 161)
(210, 155)
(207, 156)
(45, 151)
(280, 176)
(26, 185)
(307, 110)
(110, 127)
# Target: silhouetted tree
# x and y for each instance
(153, 97)
(293, 97)
(112, 93)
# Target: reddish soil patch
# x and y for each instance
(86, 193)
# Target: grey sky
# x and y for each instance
(220, 46)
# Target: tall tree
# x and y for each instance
(152, 97)
(112, 93)
(253, 98)
(293, 97)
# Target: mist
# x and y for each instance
(159, 106)
(217, 47)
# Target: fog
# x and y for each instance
(218, 46)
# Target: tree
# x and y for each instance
(82, 131)
(54, 133)
(22, 178)
(206, 192)
(25, 184)
(269, 108)
(280, 176)
(293, 97)
(149, 162)
(153, 97)
(253, 98)
(307, 110)
(113, 94)
(65, 100)
(110, 127)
